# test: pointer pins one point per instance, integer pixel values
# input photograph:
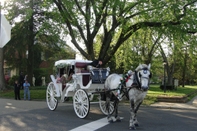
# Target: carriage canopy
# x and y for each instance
(69, 62)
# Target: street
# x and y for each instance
(35, 116)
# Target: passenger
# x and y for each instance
(58, 79)
(63, 80)
(71, 72)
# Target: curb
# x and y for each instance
(194, 102)
(175, 99)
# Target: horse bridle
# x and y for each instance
(138, 86)
(137, 79)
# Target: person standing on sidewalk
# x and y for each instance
(26, 86)
(25, 78)
(17, 90)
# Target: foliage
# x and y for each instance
(123, 33)
(36, 94)
(33, 32)
(13, 79)
(42, 72)
(118, 20)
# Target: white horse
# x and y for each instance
(134, 85)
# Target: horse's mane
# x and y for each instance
(141, 66)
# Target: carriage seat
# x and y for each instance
(86, 76)
(99, 76)
(81, 65)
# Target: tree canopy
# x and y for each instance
(117, 20)
(101, 28)
(33, 32)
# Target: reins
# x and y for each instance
(125, 90)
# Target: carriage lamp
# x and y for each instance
(164, 76)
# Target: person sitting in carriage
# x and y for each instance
(94, 65)
(63, 80)
(66, 78)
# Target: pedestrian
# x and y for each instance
(43, 81)
(26, 87)
(21, 80)
(33, 80)
(17, 90)
(25, 78)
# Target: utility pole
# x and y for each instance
(164, 76)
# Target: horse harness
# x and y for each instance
(136, 82)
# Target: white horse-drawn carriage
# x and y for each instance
(134, 85)
(81, 88)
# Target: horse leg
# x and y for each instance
(116, 103)
(133, 119)
(109, 116)
(136, 123)
(133, 116)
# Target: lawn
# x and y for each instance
(155, 91)
(39, 93)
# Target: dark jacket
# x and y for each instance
(21, 79)
(95, 63)
(16, 87)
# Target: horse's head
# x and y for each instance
(142, 76)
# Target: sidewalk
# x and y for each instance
(189, 105)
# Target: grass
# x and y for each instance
(155, 91)
(36, 93)
(39, 93)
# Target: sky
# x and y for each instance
(2, 2)
(78, 55)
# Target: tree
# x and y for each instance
(2, 79)
(117, 20)
(31, 35)
(141, 47)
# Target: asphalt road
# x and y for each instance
(35, 116)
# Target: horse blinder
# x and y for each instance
(145, 70)
(150, 75)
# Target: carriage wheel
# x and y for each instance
(51, 100)
(102, 105)
(81, 103)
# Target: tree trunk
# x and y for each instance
(2, 79)
(30, 63)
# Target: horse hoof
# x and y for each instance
(137, 125)
(132, 128)
(110, 121)
(118, 120)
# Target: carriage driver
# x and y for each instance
(94, 65)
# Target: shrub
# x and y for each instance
(12, 80)
(168, 87)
